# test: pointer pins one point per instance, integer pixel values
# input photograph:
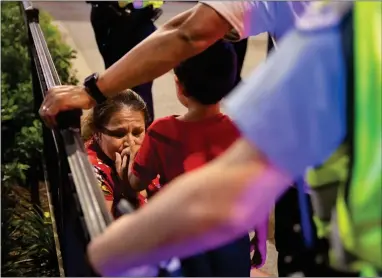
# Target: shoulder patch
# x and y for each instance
(321, 15)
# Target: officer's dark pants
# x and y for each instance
(231, 260)
(116, 36)
(293, 255)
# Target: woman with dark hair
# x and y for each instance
(109, 130)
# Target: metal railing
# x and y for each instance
(76, 201)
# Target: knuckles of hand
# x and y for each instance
(61, 98)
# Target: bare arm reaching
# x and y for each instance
(241, 183)
(183, 36)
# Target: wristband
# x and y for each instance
(92, 89)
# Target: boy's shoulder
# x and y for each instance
(169, 123)
(161, 125)
(229, 125)
(162, 122)
(224, 120)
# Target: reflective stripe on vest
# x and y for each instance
(141, 3)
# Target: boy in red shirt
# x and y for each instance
(174, 145)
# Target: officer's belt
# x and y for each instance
(147, 11)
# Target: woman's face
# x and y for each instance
(125, 127)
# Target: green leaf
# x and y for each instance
(29, 248)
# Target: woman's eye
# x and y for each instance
(136, 133)
(118, 134)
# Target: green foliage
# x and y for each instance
(20, 126)
(27, 246)
(61, 53)
(29, 249)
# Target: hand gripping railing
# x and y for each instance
(76, 200)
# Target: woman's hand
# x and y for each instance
(121, 164)
(133, 150)
(125, 160)
(62, 98)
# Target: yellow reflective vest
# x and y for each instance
(141, 3)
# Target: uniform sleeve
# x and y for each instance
(104, 182)
(292, 108)
(145, 166)
(247, 18)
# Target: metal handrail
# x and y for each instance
(67, 140)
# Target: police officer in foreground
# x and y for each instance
(335, 55)
(119, 26)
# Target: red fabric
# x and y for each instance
(102, 169)
(172, 147)
(108, 180)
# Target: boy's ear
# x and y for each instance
(178, 85)
(176, 79)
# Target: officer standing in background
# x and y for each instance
(118, 27)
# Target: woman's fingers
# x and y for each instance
(133, 151)
(118, 162)
(121, 163)
(124, 163)
(125, 152)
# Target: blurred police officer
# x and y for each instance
(119, 26)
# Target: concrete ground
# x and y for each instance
(73, 20)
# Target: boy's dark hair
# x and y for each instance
(209, 76)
